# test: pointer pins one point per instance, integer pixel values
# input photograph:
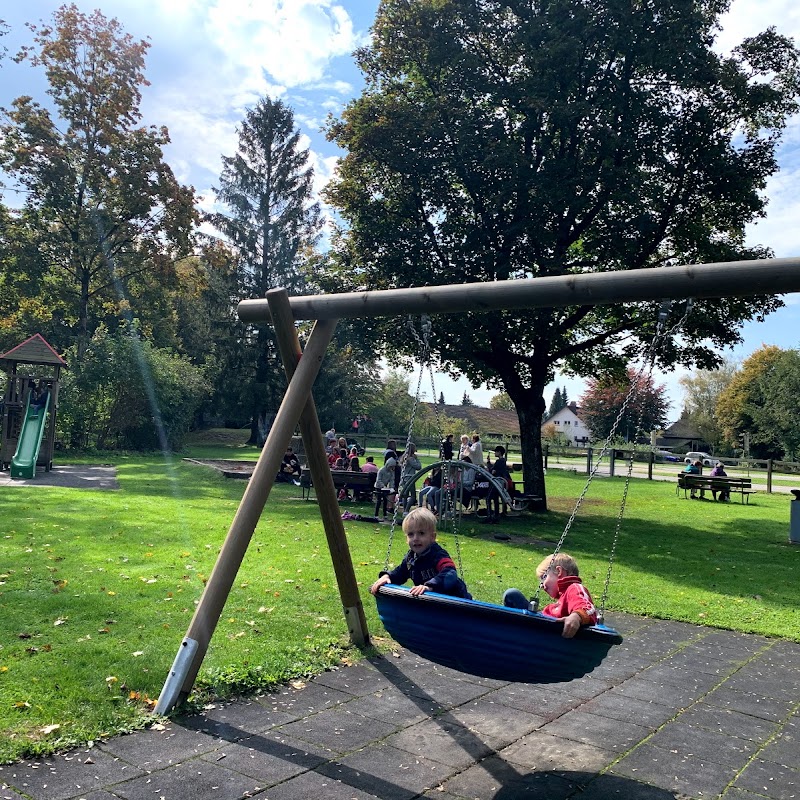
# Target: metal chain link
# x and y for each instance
(646, 369)
(424, 350)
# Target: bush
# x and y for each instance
(127, 394)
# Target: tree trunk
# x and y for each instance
(530, 429)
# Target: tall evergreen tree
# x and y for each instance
(272, 224)
(556, 403)
(441, 399)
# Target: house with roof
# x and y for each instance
(567, 421)
(681, 437)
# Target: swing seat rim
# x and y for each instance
(533, 620)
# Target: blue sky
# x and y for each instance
(209, 60)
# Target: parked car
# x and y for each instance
(353, 443)
(705, 458)
(665, 455)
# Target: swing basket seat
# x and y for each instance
(489, 640)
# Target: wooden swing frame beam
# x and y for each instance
(698, 281)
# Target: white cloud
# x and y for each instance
(293, 41)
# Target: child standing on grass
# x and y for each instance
(558, 576)
(427, 564)
(384, 486)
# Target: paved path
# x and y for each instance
(78, 476)
(677, 711)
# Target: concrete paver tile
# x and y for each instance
(154, 749)
(675, 772)
(770, 780)
(733, 793)
(784, 749)
(268, 759)
(618, 667)
(501, 723)
(390, 773)
(547, 702)
(298, 703)
(448, 743)
(394, 707)
(763, 707)
(494, 779)
(665, 675)
(583, 688)
(772, 683)
(733, 640)
(615, 787)
(192, 780)
(731, 723)
(313, 786)
(235, 719)
(675, 697)
(704, 744)
(339, 729)
(693, 658)
(359, 680)
(610, 734)
(444, 690)
(7, 793)
(542, 752)
(617, 706)
(65, 776)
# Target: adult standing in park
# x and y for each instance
(476, 449)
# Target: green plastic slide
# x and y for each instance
(23, 465)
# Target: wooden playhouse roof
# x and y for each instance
(34, 350)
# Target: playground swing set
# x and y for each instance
(530, 639)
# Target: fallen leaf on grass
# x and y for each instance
(137, 653)
(49, 729)
(60, 621)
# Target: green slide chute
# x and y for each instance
(23, 465)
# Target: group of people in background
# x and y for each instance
(399, 467)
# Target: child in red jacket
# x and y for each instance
(558, 576)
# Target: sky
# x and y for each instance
(210, 60)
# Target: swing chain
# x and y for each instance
(424, 348)
(661, 333)
(646, 369)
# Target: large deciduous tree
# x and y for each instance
(603, 400)
(702, 389)
(499, 140)
(761, 401)
(103, 210)
(273, 225)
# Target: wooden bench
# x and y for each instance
(703, 483)
(360, 483)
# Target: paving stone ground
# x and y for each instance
(677, 711)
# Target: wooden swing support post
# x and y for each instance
(297, 406)
(728, 279)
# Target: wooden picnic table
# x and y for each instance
(691, 483)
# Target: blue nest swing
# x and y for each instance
(489, 640)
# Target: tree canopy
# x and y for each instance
(761, 400)
(603, 401)
(104, 219)
(501, 140)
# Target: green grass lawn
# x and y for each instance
(97, 588)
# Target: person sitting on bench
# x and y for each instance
(724, 492)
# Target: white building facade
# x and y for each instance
(568, 422)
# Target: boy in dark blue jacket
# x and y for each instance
(427, 564)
